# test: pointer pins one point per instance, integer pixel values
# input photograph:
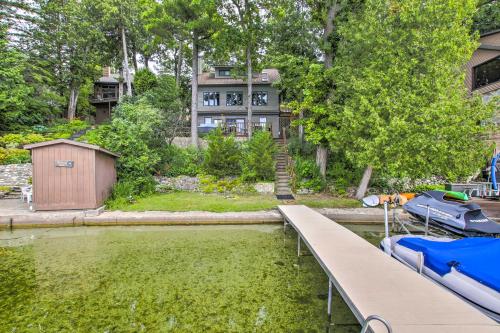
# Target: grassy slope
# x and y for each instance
(187, 201)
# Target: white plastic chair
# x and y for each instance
(26, 194)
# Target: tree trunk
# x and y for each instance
(301, 129)
(321, 159)
(363, 185)
(134, 60)
(73, 100)
(125, 63)
(120, 85)
(328, 58)
(194, 93)
(146, 61)
(250, 87)
(328, 51)
(178, 69)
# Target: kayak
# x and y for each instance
(455, 195)
(468, 267)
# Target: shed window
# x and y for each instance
(108, 91)
(224, 72)
(259, 98)
(210, 98)
(234, 98)
(487, 73)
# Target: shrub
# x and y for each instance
(258, 157)
(144, 80)
(66, 129)
(296, 148)
(223, 155)
(307, 175)
(14, 156)
(18, 140)
(180, 161)
(210, 184)
(134, 134)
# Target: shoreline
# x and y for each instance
(106, 218)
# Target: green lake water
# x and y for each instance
(165, 279)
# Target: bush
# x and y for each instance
(307, 175)
(134, 134)
(295, 148)
(180, 161)
(223, 155)
(144, 81)
(65, 129)
(19, 140)
(258, 157)
(14, 156)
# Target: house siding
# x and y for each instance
(480, 56)
(272, 106)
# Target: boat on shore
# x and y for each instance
(466, 219)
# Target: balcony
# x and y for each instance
(233, 128)
(103, 99)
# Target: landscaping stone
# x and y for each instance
(181, 183)
(264, 187)
(15, 174)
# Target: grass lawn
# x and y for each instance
(189, 201)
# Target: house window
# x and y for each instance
(208, 120)
(487, 73)
(224, 72)
(263, 120)
(210, 98)
(259, 98)
(234, 98)
(108, 91)
(218, 122)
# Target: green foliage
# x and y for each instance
(14, 156)
(258, 157)
(18, 140)
(487, 17)
(223, 155)
(307, 175)
(403, 107)
(296, 148)
(211, 184)
(134, 134)
(144, 81)
(178, 161)
(341, 174)
(65, 129)
(426, 187)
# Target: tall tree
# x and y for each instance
(402, 108)
(245, 26)
(200, 20)
(487, 17)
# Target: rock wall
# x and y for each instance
(15, 174)
(192, 184)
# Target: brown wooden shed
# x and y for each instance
(71, 175)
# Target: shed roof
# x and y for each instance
(70, 142)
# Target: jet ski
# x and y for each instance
(469, 266)
(463, 219)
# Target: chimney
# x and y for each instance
(106, 71)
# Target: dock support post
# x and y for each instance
(330, 286)
(298, 245)
(427, 220)
(386, 219)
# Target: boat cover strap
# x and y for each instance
(477, 258)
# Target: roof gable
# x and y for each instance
(70, 142)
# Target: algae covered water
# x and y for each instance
(163, 279)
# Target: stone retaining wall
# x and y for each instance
(15, 174)
(192, 184)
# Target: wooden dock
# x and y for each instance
(372, 283)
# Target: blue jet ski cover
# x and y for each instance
(478, 258)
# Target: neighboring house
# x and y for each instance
(222, 101)
(106, 94)
(483, 70)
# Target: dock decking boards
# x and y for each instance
(372, 283)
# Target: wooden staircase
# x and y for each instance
(282, 188)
